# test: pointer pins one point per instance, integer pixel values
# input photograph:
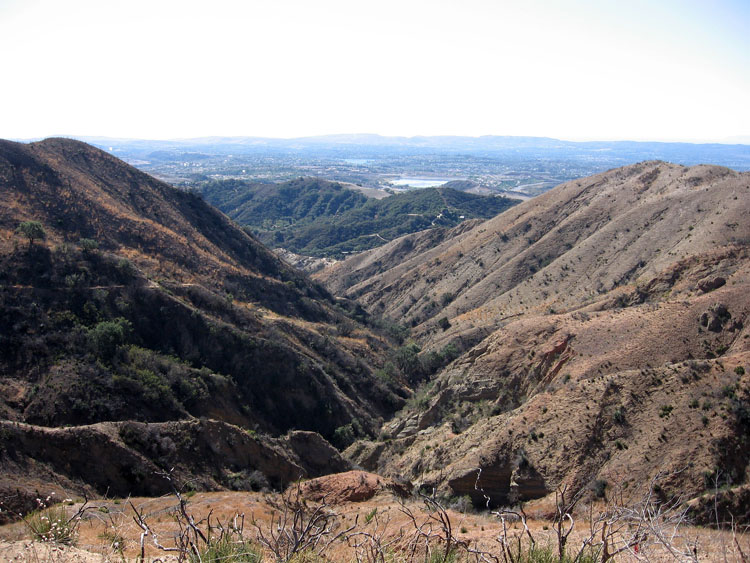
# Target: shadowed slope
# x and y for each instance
(145, 303)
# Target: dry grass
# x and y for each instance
(383, 519)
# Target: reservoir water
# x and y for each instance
(416, 182)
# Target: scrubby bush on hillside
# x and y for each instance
(32, 230)
(107, 336)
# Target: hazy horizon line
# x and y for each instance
(732, 140)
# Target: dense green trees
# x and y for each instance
(315, 217)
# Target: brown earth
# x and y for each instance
(353, 486)
(559, 251)
(389, 519)
(604, 330)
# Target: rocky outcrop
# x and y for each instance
(314, 454)
(353, 486)
(502, 483)
(716, 317)
(709, 284)
(132, 458)
(726, 505)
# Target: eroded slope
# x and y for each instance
(604, 329)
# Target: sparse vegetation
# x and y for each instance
(52, 525)
(618, 416)
(88, 245)
(227, 549)
(599, 488)
(666, 411)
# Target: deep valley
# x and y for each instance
(485, 352)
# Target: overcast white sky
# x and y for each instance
(571, 69)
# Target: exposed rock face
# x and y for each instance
(130, 458)
(353, 486)
(709, 284)
(315, 454)
(729, 505)
(716, 317)
(502, 483)
(309, 264)
(366, 453)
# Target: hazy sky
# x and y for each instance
(572, 69)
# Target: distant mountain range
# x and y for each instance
(736, 156)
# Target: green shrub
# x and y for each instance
(52, 525)
(666, 410)
(407, 360)
(397, 332)
(370, 515)
(107, 336)
(618, 417)
(599, 488)
(438, 556)
(32, 230)
(115, 540)
(88, 244)
(228, 549)
(344, 436)
(307, 556)
(739, 370)
(126, 267)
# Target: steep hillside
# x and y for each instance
(314, 217)
(144, 303)
(558, 251)
(604, 331)
(270, 206)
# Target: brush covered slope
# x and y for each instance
(602, 338)
(315, 217)
(142, 302)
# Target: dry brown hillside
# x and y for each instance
(605, 338)
(557, 252)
